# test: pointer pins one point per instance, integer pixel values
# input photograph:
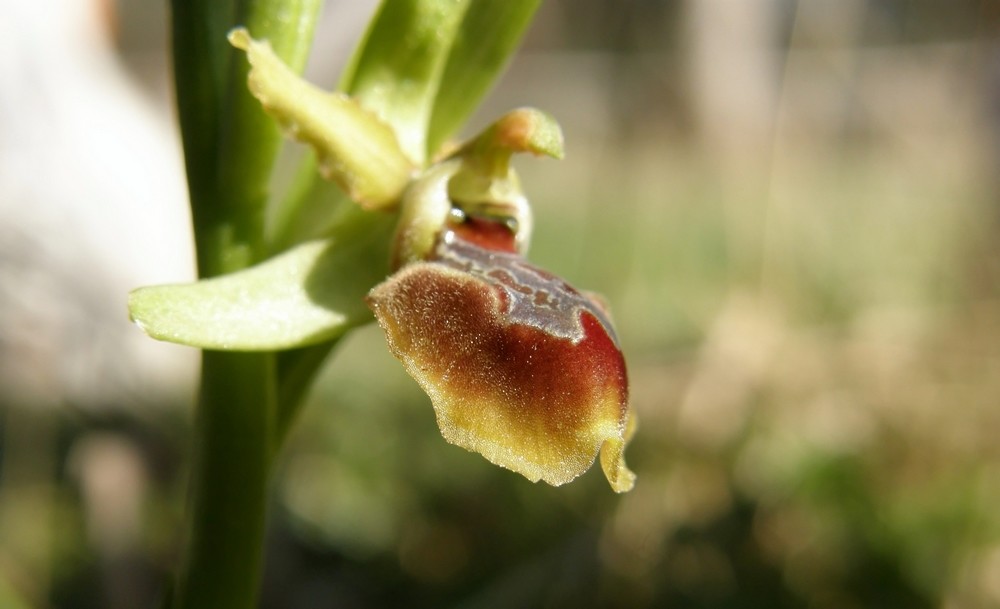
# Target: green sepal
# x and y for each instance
(397, 70)
(312, 293)
(485, 41)
(354, 147)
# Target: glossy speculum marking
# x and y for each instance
(534, 297)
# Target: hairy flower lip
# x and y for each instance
(519, 366)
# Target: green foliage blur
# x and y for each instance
(792, 209)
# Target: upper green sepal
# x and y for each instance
(309, 294)
(489, 33)
(355, 148)
(397, 71)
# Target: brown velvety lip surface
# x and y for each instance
(538, 394)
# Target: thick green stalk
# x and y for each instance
(229, 147)
(221, 565)
(229, 142)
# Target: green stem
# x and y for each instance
(229, 148)
(222, 563)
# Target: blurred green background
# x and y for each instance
(792, 207)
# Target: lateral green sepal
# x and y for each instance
(309, 294)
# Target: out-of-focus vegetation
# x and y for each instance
(792, 208)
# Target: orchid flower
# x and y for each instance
(520, 366)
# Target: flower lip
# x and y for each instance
(519, 366)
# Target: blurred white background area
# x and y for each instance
(92, 204)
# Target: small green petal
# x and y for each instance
(424, 212)
(309, 294)
(354, 147)
(486, 184)
(520, 130)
